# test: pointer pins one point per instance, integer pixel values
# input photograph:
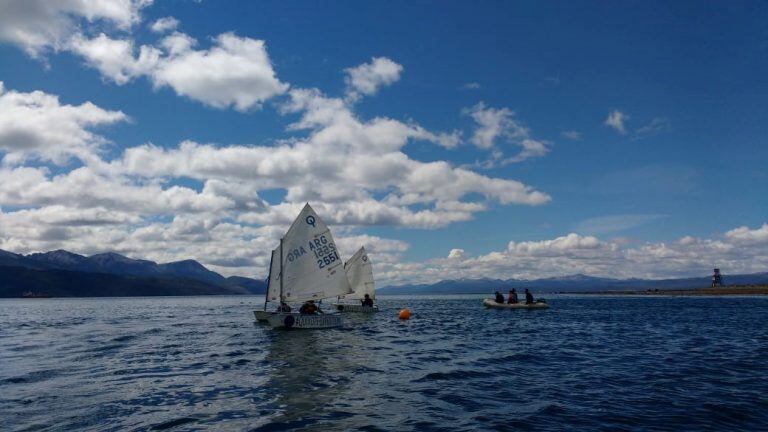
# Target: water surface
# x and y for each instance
(200, 363)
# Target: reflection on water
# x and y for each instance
(202, 364)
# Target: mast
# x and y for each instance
(269, 280)
(281, 269)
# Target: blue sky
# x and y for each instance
(644, 122)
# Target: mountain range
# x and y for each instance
(61, 273)
(566, 284)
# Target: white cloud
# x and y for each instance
(39, 25)
(115, 58)
(746, 236)
(655, 127)
(495, 125)
(572, 135)
(368, 78)
(36, 124)
(492, 124)
(202, 201)
(616, 120)
(471, 86)
(531, 149)
(456, 254)
(236, 71)
(164, 24)
(121, 202)
(558, 246)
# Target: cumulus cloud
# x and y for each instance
(616, 120)
(37, 125)
(234, 72)
(39, 25)
(165, 24)
(746, 236)
(116, 59)
(561, 245)
(367, 78)
(309, 169)
(138, 202)
(494, 125)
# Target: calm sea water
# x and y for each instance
(201, 363)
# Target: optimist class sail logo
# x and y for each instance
(310, 220)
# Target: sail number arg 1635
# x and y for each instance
(324, 250)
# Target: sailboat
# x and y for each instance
(360, 275)
(305, 266)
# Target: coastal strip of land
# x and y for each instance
(708, 291)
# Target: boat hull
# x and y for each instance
(491, 304)
(262, 316)
(291, 320)
(355, 308)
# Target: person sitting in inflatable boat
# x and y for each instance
(528, 297)
(512, 297)
(499, 297)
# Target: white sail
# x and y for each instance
(273, 287)
(311, 265)
(360, 275)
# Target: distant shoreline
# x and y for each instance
(691, 292)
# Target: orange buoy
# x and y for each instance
(405, 314)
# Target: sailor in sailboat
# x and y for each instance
(309, 308)
(367, 301)
(305, 266)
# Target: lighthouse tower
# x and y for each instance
(717, 278)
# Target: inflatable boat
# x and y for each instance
(490, 303)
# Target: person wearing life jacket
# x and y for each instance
(528, 297)
(367, 301)
(309, 308)
(283, 307)
(499, 297)
(512, 299)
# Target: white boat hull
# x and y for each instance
(290, 320)
(357, 308)
(490, 303)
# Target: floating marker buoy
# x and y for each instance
(405, 314)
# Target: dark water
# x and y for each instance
(587, 363)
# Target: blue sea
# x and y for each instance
(201, 363)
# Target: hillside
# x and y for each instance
(62, 273)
